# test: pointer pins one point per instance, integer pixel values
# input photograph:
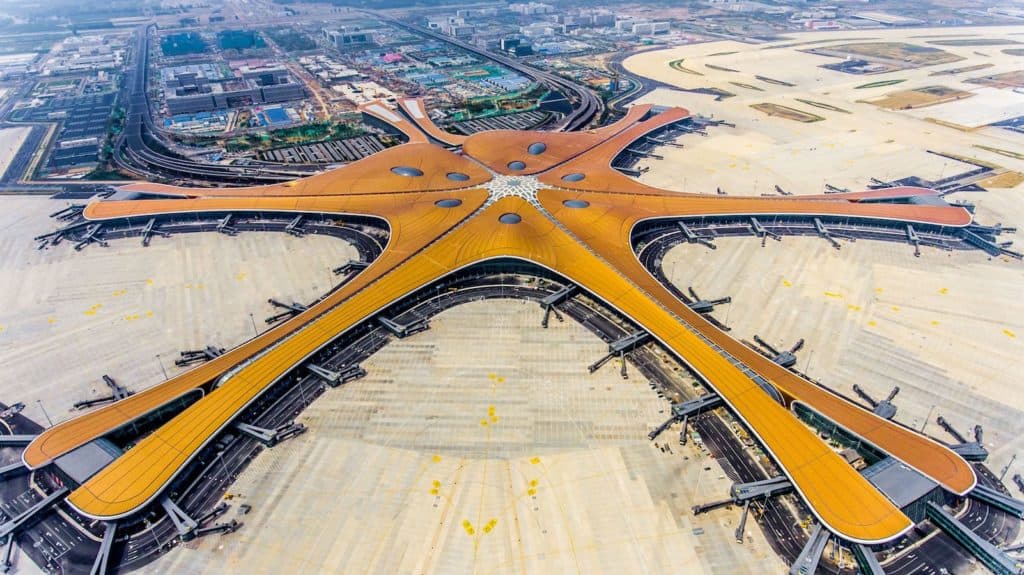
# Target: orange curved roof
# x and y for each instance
(413, 221)
(370, 175)
(608, 222)
(592, 250)
(596, 165)
(498, 148)
(416, 110)
(382, 112)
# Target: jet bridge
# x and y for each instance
(998, 500)
(550, 301)
(807, 562)
(403, 330)
(884, 408)
(19, 521)
(150, 230)
(350, 266)
(988, 554)
(683, 412)
(620, 348)
(691, 236)
(969, 450)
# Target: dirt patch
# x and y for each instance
(878, 84)
(719, 68)
(909, 53)
(787, 112)
(678, 65)
(822, 105)
(747, 86)
(774, 81)
(1004, 180)
(920, 98)
(974, 42)
(881, 57)
(952, 71)
(1002, 152)
(1006, 81)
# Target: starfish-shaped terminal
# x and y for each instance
(552, 200)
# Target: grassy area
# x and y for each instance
(718, 93)
(678, 66)
(879, 84)
(822, 105)
(291, 40)
(1002, 152)
(787, 112)
(504, 104)
(105, 174)
(774, 81)
(974, 42)
(719, 68)
(294, 136)
(747, 86)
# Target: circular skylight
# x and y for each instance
(457, 176)
(448, 203)
(574, 177)
(510, 218)
(576, 204)
(516, 165)
(407, 171)
(537, 148)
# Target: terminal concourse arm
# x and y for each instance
(606, 226)
(413, 219)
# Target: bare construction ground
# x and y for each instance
(845, 149)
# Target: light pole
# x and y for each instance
(48, 420)
(162, 370)
(1002, 474)
(253, 320)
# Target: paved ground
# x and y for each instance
(11, 140)
(946, 327)
(353, 495)
(69, 317)
(481, 446)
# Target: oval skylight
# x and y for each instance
(407, 171)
